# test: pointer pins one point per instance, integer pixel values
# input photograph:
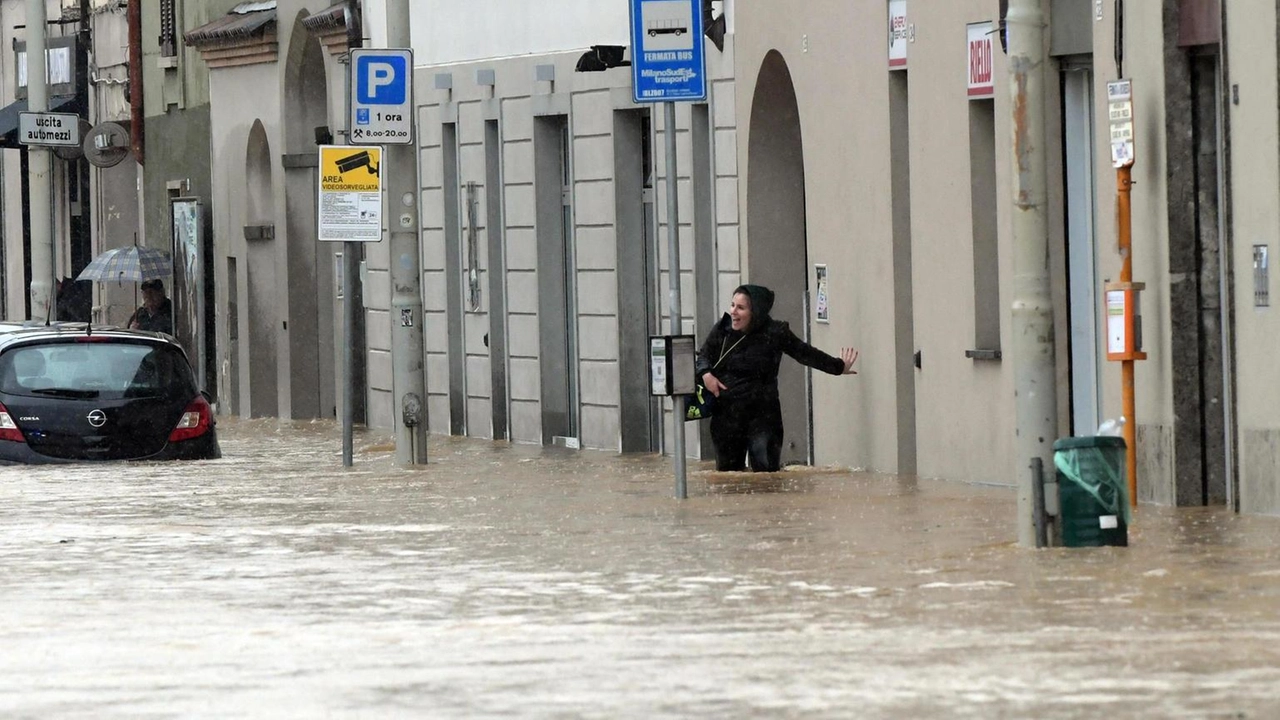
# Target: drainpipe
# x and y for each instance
(1032, 332)
(136, 109)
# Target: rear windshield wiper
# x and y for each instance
(66, 392)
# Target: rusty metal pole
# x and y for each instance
(1035, 391)
(1124, 223)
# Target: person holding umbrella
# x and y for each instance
(138, 264)
(156, 312)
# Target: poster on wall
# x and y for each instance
(821, 310)
(187, 293)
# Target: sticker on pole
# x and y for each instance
(350, 194)
(668, 54)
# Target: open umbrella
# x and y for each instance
(131, 263)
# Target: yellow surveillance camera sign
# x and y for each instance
(350, 203)
(350, 168)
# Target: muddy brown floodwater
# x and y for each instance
(516, 581)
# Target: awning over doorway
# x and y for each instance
(246, 21)
(9, 117)
(244, 36)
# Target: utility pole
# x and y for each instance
(408, 370)
(1033, 348)
(673, 252)
(1123, 318)
(39, 168)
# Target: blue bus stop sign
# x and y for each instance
(668, 55)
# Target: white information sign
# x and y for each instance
(381, 97)
(658, 366)
(1115, 322)
(350, 194)
(898, 33)
(1120, 117)
(46, 128)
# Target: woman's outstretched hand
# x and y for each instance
(714, 386)
(849, 356)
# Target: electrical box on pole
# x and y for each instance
(671, 365)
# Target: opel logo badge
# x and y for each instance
(97, 418)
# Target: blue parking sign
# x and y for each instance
(381, 110)
(668, 54)
(383, 80)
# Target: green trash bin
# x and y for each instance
(1093, 491)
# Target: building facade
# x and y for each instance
(545, 265)
(854, 156)
(277, 88)
(898, 146)
(91, 209)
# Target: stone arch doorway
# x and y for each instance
(309, 269)
(777, 249)
(260, 268)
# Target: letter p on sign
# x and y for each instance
(382, 80)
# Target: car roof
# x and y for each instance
(19, 332)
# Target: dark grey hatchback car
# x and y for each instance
(70, 393)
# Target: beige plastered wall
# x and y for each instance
(237, 90)
(837, 56)
(1255, 177)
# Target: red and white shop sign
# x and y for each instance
(981, 61)
(898, 29)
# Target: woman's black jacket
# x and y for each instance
(749, 368)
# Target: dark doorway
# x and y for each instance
(557, 316)
(777, 241)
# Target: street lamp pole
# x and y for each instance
(408, 365)
(1035, 389)
(39, 168)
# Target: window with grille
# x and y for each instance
(168, 28)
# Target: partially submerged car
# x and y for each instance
(71, 393)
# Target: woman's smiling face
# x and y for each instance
(740, 312)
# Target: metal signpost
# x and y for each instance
(42, 131)
(382, 114)
(1124, 319)
(350, 213)
(668, 61)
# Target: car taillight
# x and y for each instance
(8, 428)
(195, 421)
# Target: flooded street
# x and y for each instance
(520, 581)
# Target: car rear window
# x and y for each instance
(102, 369)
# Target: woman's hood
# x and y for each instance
(761, 304)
